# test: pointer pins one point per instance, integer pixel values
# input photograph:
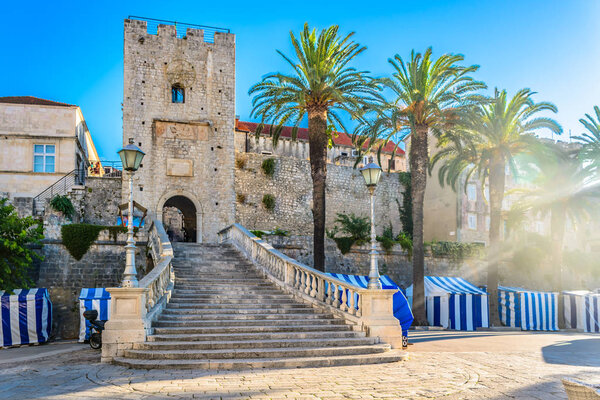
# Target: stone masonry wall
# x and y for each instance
(291, 185)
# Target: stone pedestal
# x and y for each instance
(126, 324)
(377, 316)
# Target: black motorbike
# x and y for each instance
(96, 327)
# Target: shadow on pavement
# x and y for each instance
(583, 352)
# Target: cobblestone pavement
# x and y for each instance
(448, 365)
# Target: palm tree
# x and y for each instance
(429, 96)
(485, 145)
(321, 85)
(590, 153)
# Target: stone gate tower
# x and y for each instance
(179, 108)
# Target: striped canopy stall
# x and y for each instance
(26, 317)
(528, 310)
(92, 299)
(402, 310)
(582, 310)
(454, 303)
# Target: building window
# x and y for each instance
(177, 93)
(472, 192)
(487, 223)
(472, 221)
(392, 164)
(44, 157)
(539, 227)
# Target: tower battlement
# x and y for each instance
(177, 30)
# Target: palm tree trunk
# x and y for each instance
(419, 161)
(497, 181)
(317, 140)
(558, 219)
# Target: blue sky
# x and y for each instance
(73, 51)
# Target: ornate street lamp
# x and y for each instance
(131, 156)
(372, 172)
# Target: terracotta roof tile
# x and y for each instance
(33, 100)
(341, 138)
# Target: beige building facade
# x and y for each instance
(41, 141)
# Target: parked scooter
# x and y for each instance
(97, 327)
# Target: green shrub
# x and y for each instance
(62, 204)
(344, 243)
(78, 238)
(268, 201)
(358, 228)
(279, 232)
(240, 162)
(268, 166)
(456, 251)
(16, 255)
(241, 198)
(259, 234)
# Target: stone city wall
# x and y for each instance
(398, 265)
(291, 185)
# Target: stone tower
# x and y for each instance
(179, 108)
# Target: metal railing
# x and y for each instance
(60, 187)
(181, 28)
(106, 169)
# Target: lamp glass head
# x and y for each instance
(371, 173)
(131, 156)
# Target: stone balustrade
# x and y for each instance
(368, 309)
(134, 309)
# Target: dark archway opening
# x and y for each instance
(179, 219)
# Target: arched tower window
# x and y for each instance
(177, 93)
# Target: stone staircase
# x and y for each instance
(224, 315)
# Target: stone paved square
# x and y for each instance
(443, 364)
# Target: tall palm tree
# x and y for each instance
(320, 86)
(429, 96)
(590, 153)
(486, 144)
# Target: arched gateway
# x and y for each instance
(181, 217)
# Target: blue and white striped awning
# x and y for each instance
(454, 303)
(92, 299)
(402, 310)
(25, 317)
(450, 285)
(582, 310)
(527, 309)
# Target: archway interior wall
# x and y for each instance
(188, 146)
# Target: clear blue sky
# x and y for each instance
(73, 51)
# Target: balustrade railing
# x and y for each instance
(301, 279)
(160, 280)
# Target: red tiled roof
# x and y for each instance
(341, 138)
(33, 100)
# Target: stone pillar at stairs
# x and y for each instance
(126, 325)
(377, 316)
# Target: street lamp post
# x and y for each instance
(372, 172)
(131, 157)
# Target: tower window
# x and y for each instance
(177, 93)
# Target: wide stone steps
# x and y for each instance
(223, 314)
(229, 330)
(192, 337)
(255, 353)
(256, 363)
(233, 345)
(251, 311)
